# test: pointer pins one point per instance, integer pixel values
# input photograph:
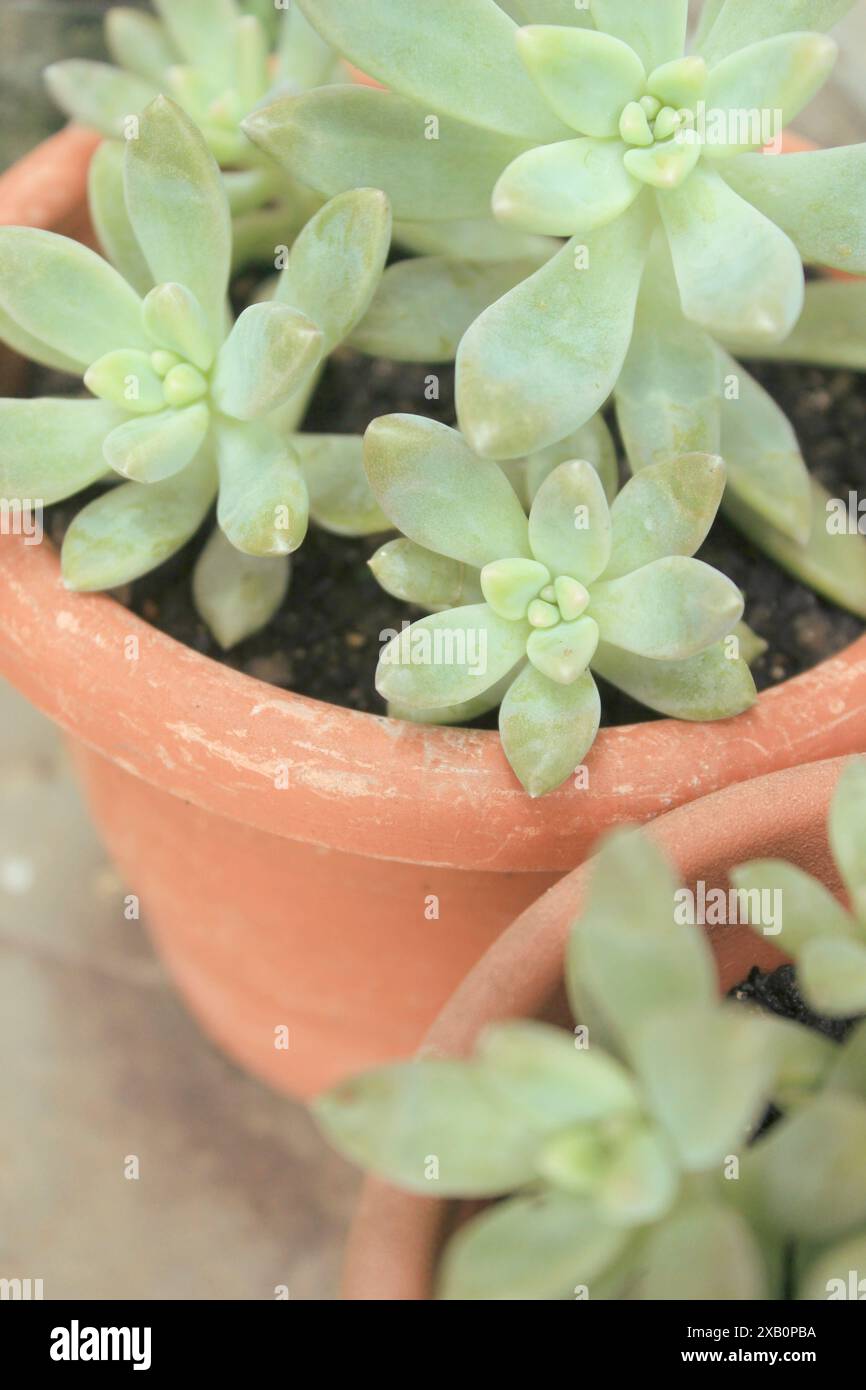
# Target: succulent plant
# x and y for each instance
(827, 942)
(528, 606)
(218, 59)
(628, 1157)
(190, 408)
(591, 123)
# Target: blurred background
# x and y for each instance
(237, 1195)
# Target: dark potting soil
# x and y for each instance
(325, 640)
(776, 992)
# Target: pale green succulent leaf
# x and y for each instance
(543, 1070)
(586, 77)
(463, 713)
(410, 572)
(131, 529)
(667, 509)
(667, 164)
(340, 138)
(203, 31)
(251, 60)
(51, 449)
(831, 971)
(175, 320)
(423, 306)
(434, 489)
(710, 11)
(848, 1072)
(714, 684)
(669, 609)
(178, 208)
(543, 359)
(271, 349)
(544, 1246)
(263, 505)
(547, 12)
(829, 1275)
(737, 272)
(704, 1251)
(656, 32)
(139, 43)
(15, 337)
(340, 496)
(420, 48)
(303, 57)
(829, 332)
(509, 586)
(592, 441)
(779, 74)
(680, 83)
(110, 217)
(562, 189)
(803, 1061)
(449, 657)
(237, 594)
(569, 524)
(98, 95)
(741, 22)
(808, 909)
(563, 653)
(150, 448)
(547, 728)
(473, 239)
(847, 829)
(63, 295)
(126, 378)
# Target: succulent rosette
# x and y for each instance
(528, 607)
(189, 408)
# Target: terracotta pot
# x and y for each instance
(309, 907)
(396, 1237)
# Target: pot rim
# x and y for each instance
(360, 783)
(395, 1236)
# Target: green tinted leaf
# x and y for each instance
(829, 1276)
(586, 77)
(66, 296)
(174, 319)
(829, 331)
(97, 94)
(737, 272)
(562, 189)
(779, 74)
(710, 685)
(449, 657)
(808, 908)
(742, 22)
(848, 1072)
(131, 529)
(305, 60)
(544, 358)
(667, 509)
(139, 42)
(414, 574)
(541, 1069)
(110, 218)
(265, 359)
(656, 32)
(592, 442)
(434, 489)
(832, 974)
(50, 449)
(479, 239)
(668, 610)
(569, 524)
(463, 713)
(127, 379)
(236, 594)
(204, 32)
(153, 447)
(263, 503)
(547, 729)
(178, 208)
(703, 1251)
(847, 827)
(14, 336)
(340, 496)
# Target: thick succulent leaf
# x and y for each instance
(423, 307)
(668, 610)
(832, 975)
(97, 94)
(398, 1119)
(737, 272)
(304, 59)
(829, 332)
(710, 11)
(340, 496)
(14, 336)
(131, 529)
(540, 1069)
(175, 320)
(529, 1248)
(818, 198)
(848, 1072)
(710, 685)
(510, 586)
(656, 32)
(151, 448)
(203, 31)
(829, 1276)
(422, 48)
(640, 1181)
(237, 594)
(708, 1075)
(632, 884)
(569, 524)
(128, 380)
(593, 442)
(270, 351)
(547, 728)
(803, 1060)
(807, 1177)
(263, 504)
(547, 12)
(337, 261)
(140, 43)
(809, 910)
(667, 509)
(742, 22)
(562, 651)
(416, 575)
(433, 488)
(832, 564)
(463, 713)
(178, 208)
(110, 219)
(473, 239)
(703, 1251)
(64, 295)
(779, 74)
(449, 657)
(50, 449)
(567, 188)
(847, 829)
(766, 469)
(339, 138)
(544, 358)
(586, 77)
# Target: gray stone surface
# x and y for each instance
(236, 1194)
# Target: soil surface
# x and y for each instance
(325, 640)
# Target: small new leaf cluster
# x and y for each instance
(578, 585)
(827, 942)
(189, 406)
(629, 1156)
